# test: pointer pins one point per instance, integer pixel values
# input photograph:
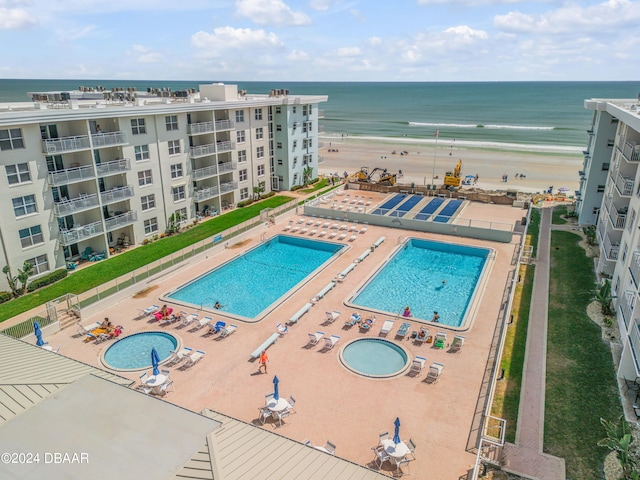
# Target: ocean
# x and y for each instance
(527, 115)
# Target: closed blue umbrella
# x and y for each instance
(155, 360)
(276, 395)
(396, 435)
(36, 329)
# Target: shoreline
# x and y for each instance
(541, 169)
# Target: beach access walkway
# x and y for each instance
(526, 457)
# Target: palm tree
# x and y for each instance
(306, 175)
(602, 295)
(10, 279)
(24, 274)
(619, 440)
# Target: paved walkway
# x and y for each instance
(526, 458)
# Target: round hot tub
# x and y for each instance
(133, 352)
(375, 357)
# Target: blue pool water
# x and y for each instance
(374, 357)
(250, 283)
(134, 351)
(413, 276)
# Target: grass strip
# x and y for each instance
(556, 217)
(533, 231)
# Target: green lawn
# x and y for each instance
(580, 383)
(316, 186)
(556, 218)
(533, 231)
(107, 270)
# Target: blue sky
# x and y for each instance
(321, 40)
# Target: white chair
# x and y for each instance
(332, 316)
(194, 358)
(166, 373)
(292, 403)
(177, 356)
(314, 338)
(228, 330)
(342, 236)
(417, 365)
(330, 342)
(164, 388)
(265, 414)
(435, 371)
(304, 230)
(387, 326)
(313, 232)
(401, 462)
(457, 343)
(322, 233)
(383, 436)
(381, 456)
(280, 416)
(332, 235)
(189, 318)
(330, 447)
(282, 330)
(198, 324)
(412, 447)
(352, 238)
(364, 228)
(143, 387)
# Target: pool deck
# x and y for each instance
(332, 403)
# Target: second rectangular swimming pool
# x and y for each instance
(249, 285)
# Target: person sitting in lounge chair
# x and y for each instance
(105, 323)
(368, 322)
(115, 333)
(422, 334)
(163, 313)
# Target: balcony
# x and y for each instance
(634, 343)
(202, 150)
(226, 167)
(224, 125)
(228, 187)
(225, 146)
(624, 185)
(116, 194)
(199, 128)
(205, 172)
(631, 152)
(121, 220)
(581, 173)
(75, 205)
(634, 268)
(206, 193)
(82, 232)
(113, 168)
(52, 146)
(71, 175)
(609, 249)
(109, 139)
(626, 306)
(618, 219)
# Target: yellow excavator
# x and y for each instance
(452, 179)
(361, 175)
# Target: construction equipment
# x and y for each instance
(366, 176)
(387, 179)
(452, 179)
(361, 175)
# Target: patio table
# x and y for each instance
(394, 450)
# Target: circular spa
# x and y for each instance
(375, 357)
(134, 351)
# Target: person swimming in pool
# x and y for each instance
(436, 317)
(407, 312)
(217, 306)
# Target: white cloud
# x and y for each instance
(463, 34)
(357, 14)
(72, 34)
(320, 5)
(374, 41)
(349, 52)
(224, 39)
(144, 55)
(271, 12)
(15, 18)
(298, 56)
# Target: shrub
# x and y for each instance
(314, 180)
(296, 187)
(5, 296)
(244, 203)
(267, 195)
(48, 279)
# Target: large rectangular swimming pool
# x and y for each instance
(427, 276)
(250, 285)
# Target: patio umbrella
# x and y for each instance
(155, 360)
(563, 189)
(276, 395)
(38, 332)
(396, 435)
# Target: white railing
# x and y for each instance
(634, 343)
(83, 232)
(634, 268)
(631, 152)
(225, 146)
(109, 139)
(123, 219)
(617, 219)
(68, 207)
(205, 172)
(71, 175)
(114, 167)
(206, 193)
(224, 125)
(116, 194)
(624, 185)
(65, 144)
(626, 307)
(611, 250)
(202, 150)
(226, 167)
(202, 127)
(227, 187)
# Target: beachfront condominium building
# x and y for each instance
(90, 170)
(612, 204)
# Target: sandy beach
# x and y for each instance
(540, 169)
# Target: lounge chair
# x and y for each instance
(177, 356)
(330, 342)
(422, 335)
(322, 233)
(216, 327)
(342, 236)
(387, 326)
(353, 320)
(282, 329)
(194, 358)
(403, 331)
(440, 341)
(381, 456)
(186, 321)
(332, 316)
(287, 227)
(368, 323)
(412, 448)
(199, 323)
(352, 238)
(292, 403)
(313, 232)
(164, 388)
(332, 235)
(149, 311)
(228, 330)
(344, 226)
(314, 338)
(280, 416)
(417, 365)
(103, 337)
(458, 342)
(364, 228)
(435, 371)
(173, 318)
(86, 254)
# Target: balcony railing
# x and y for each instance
(618, 219)
(634, 268)
(206, 193)
(634, 343)
(225, 146)
(626, 305)
(65, 144)
(224, 125)
(202, 127)
(75, 205)
(228, 187)
(82, 232)
(71, 175)
(114, 167)
(109, 139)
(205, 172)
(602, 228)
(610, 249)
(202, 150)
(624, 185)
(121, 220)
(116, 194)
(631, 152)
(226, 167)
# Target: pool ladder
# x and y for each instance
(263, 237)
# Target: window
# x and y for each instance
(174, 147)
(148, 202)
(278, 128)
(11, 139)
(176, 170)
(18, 173)
(260, 152)
(24, 205)
(40, 264)
(244, 193)
(605, 167)
(260, 169)
(144, 178)
(138, 127)
(242, 174)
(278, 144)
(624, 251)
(304, 110)
(178, 193)
(242, 156)
(279, 161)
(141, 152)
(150, 226)
(295, 161)
(632, 222)
(259, 134)
(610, 143)
(295, 143)
(295, 178)
(600, 188)
(258, 114)
(240, 136)
(171, 121)
(278, 110)
(239, 116)
(294, 109)
(31, 236)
